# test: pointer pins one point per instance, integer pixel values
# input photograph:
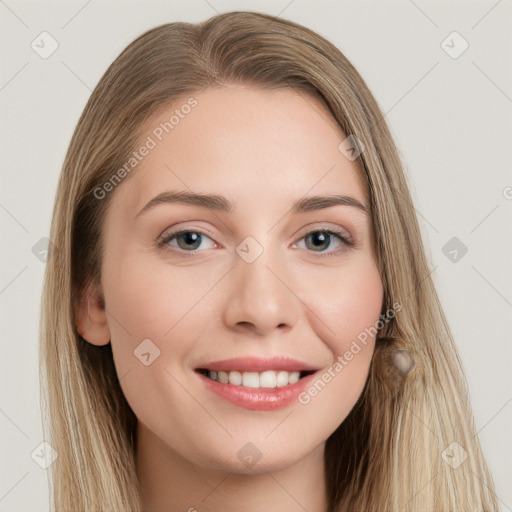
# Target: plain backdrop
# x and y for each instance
(449, 108)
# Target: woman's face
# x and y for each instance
(252, 282)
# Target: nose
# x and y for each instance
(263, 295)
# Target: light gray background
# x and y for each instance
(451, 118)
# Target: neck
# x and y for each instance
(171, 483)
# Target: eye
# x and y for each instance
(316, 240)
(186, 240)
(322, 238)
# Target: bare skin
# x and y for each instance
(301, 298)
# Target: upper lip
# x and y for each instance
(258, 364)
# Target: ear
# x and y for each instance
(91, 317)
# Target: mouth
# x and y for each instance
(260, 384)
(268, 379)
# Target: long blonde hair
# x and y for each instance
(388, 453)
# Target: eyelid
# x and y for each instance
(336, 230)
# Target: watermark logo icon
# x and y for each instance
(44, 455)
(249, 454)
(454, 455)
(454, 45)
(43, 249)
(249, 250)
(351, 147)
(147, 352)
(454, 249)
(44, 45)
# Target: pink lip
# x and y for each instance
(257, 364)
(258, 399)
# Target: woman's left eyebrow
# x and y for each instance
(220, 203)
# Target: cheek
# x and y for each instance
(154, 311)
(153, 315)
(349, 306)
(347, 300)
(150, 300)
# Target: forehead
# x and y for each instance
(249, 144)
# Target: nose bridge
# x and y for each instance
(262, 292)
(256, 255)
(256, 266)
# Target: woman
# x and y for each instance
(255, 373)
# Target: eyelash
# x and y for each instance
(339, 234)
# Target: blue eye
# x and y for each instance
(322, 238)
(190, 240)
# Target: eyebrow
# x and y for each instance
(222, 204)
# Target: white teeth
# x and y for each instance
(282, 379)
(267, 379)
(250, 380)
(293, 378)
(235, 378)
(221, 377)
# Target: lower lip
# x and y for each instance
(258, 399)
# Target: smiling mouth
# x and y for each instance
(266, 380)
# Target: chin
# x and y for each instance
(245, 457)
